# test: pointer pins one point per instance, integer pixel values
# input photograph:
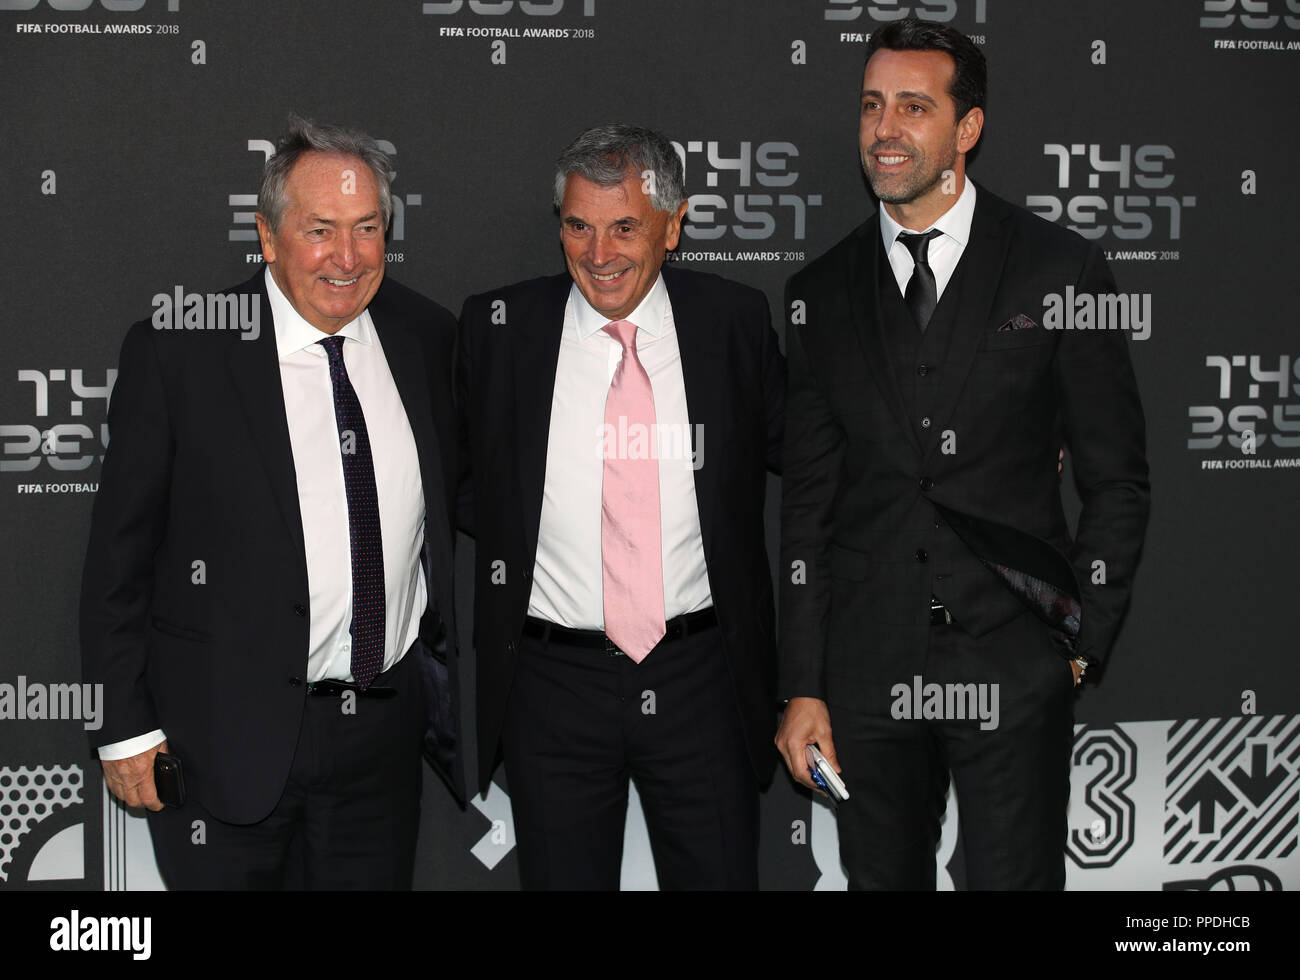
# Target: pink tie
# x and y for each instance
(629, 507)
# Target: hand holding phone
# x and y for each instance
(168, 779)
(826, 778)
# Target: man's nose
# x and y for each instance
(602, 248)
(345, 252)
(887, 127)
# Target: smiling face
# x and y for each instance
(614, 241)
(327, 256)
(910, 137)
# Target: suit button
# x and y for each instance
(299, 609)
(510, 646)
(295, 682)
(923, 369)
(925, 422)
(527, 575)
(938, 523)
(922, 555)
(927, 484)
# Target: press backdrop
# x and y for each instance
(134, 133)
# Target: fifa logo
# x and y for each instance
(1253, 405)
(765, 197)
(497, 8)
(1135, 203)
(63, 446)
(883, 11)
(1256, 15)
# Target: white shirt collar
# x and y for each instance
(293, 333)
(955, 222)
(648, 316)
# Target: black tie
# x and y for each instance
(363, 522)
(921, 296)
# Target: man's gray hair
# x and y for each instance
(606, 154)
(302, 138)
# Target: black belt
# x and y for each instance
(939, 614)
(596, 640)
(333, 689)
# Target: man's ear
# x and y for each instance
(969, 129)
(673, 233)
(267, 238)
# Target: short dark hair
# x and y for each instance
(302, 138)
(970, 82)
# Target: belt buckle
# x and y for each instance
(611, 648)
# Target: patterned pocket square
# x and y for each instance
(1017, 322)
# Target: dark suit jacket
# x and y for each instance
(870, 499)
(735, 380)
(200, 468)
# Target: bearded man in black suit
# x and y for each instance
(923, 538)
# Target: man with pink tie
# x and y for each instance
(620, 420)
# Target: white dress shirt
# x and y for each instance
(322, 496)
(945, 250)
(567, 576)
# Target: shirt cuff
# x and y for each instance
(131, 746)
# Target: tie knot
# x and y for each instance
(624, 331)
(918, 244)
(333, 346)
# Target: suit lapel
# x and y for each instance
(255, 374)
(982, 260)
(704, 374)
(864, 297)
(536, 355)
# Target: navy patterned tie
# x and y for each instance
(363, 522)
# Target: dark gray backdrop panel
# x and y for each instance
(148, 149)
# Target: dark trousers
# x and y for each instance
(349, 814)
(581, 723)
(1012, 781)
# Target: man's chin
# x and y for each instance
(606, 304)
(887, 194)
(336, 316)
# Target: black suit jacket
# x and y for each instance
(200, 469)
(735, 382)
(870, 501)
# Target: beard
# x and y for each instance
(924, 172)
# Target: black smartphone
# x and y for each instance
(168, 779)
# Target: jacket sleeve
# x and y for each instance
(1105, 434)
(127, 526)
(464, 399)
(774, 381)
(812, 458)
